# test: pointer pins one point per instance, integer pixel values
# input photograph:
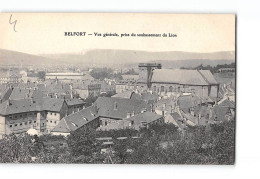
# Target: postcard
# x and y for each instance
(117, 88)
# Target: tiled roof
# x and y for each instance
(180, 76)
(74, 101)
(27, 105)
(76, 120)
(219, 113)
(125, 94)
(18, 106)
(21, 93)
(52, 104)
(119, 107)
(227, 103)
(147, 117)
(5, 94)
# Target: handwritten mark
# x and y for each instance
(14, 22)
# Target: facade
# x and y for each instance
(112, 110)
(65, 77)
(10, 78)
(18, 116)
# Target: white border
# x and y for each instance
(248, 120)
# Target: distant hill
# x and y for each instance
(8, 57)
(117, 58)
(120, 57)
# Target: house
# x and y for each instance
(111, 110)
(87, 117)
(17, 116)
(75, 105)
(143, 120)
(127, 95)
(176, 119)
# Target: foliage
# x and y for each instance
(131, 72)
(159, 144)
(213, 69)
(102, 73)
(41, 74)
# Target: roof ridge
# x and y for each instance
(203, 77)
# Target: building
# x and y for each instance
(126, 85)
(171, 81)
(42, 114)
(199, 82)
(143, 120)
(127, 95)
(67, 77)
(112, 110)
(87, 117)
(86, 88)
(6, 78)
(221, 70)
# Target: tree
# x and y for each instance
(41, 74)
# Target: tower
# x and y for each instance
(145, 72)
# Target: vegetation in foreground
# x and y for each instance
(160, 144)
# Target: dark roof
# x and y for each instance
(188, 101)
(52, 104)
(219, 113)
(74, 101)
(125, 94)
(227, 103)
(144, 117)
(76, 120)
(21, 93)
(176, 116)
(118, 108)
(6, 94)
(18, 106)
(30, 105)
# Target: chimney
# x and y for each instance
(133, 113)
(192, 111)
(143, 110)
(115, 106)
(128, 115)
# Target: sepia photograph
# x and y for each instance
(117, 88)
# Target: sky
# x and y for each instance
(43, 33)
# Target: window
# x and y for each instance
(15, 125)
(34, 121)
(47, 120)
(162, 88)
(25, 123)
(21, 124)
(154, 88)
(11, 125)
(20, 115)
(55, 122)
(55, 114)
(30, 122)
(51, 113)
(51, 121)
(170, 89)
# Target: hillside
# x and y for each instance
(119, 58)
(8, 57)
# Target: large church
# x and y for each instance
(166, 81)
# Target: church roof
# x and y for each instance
(185, 77)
